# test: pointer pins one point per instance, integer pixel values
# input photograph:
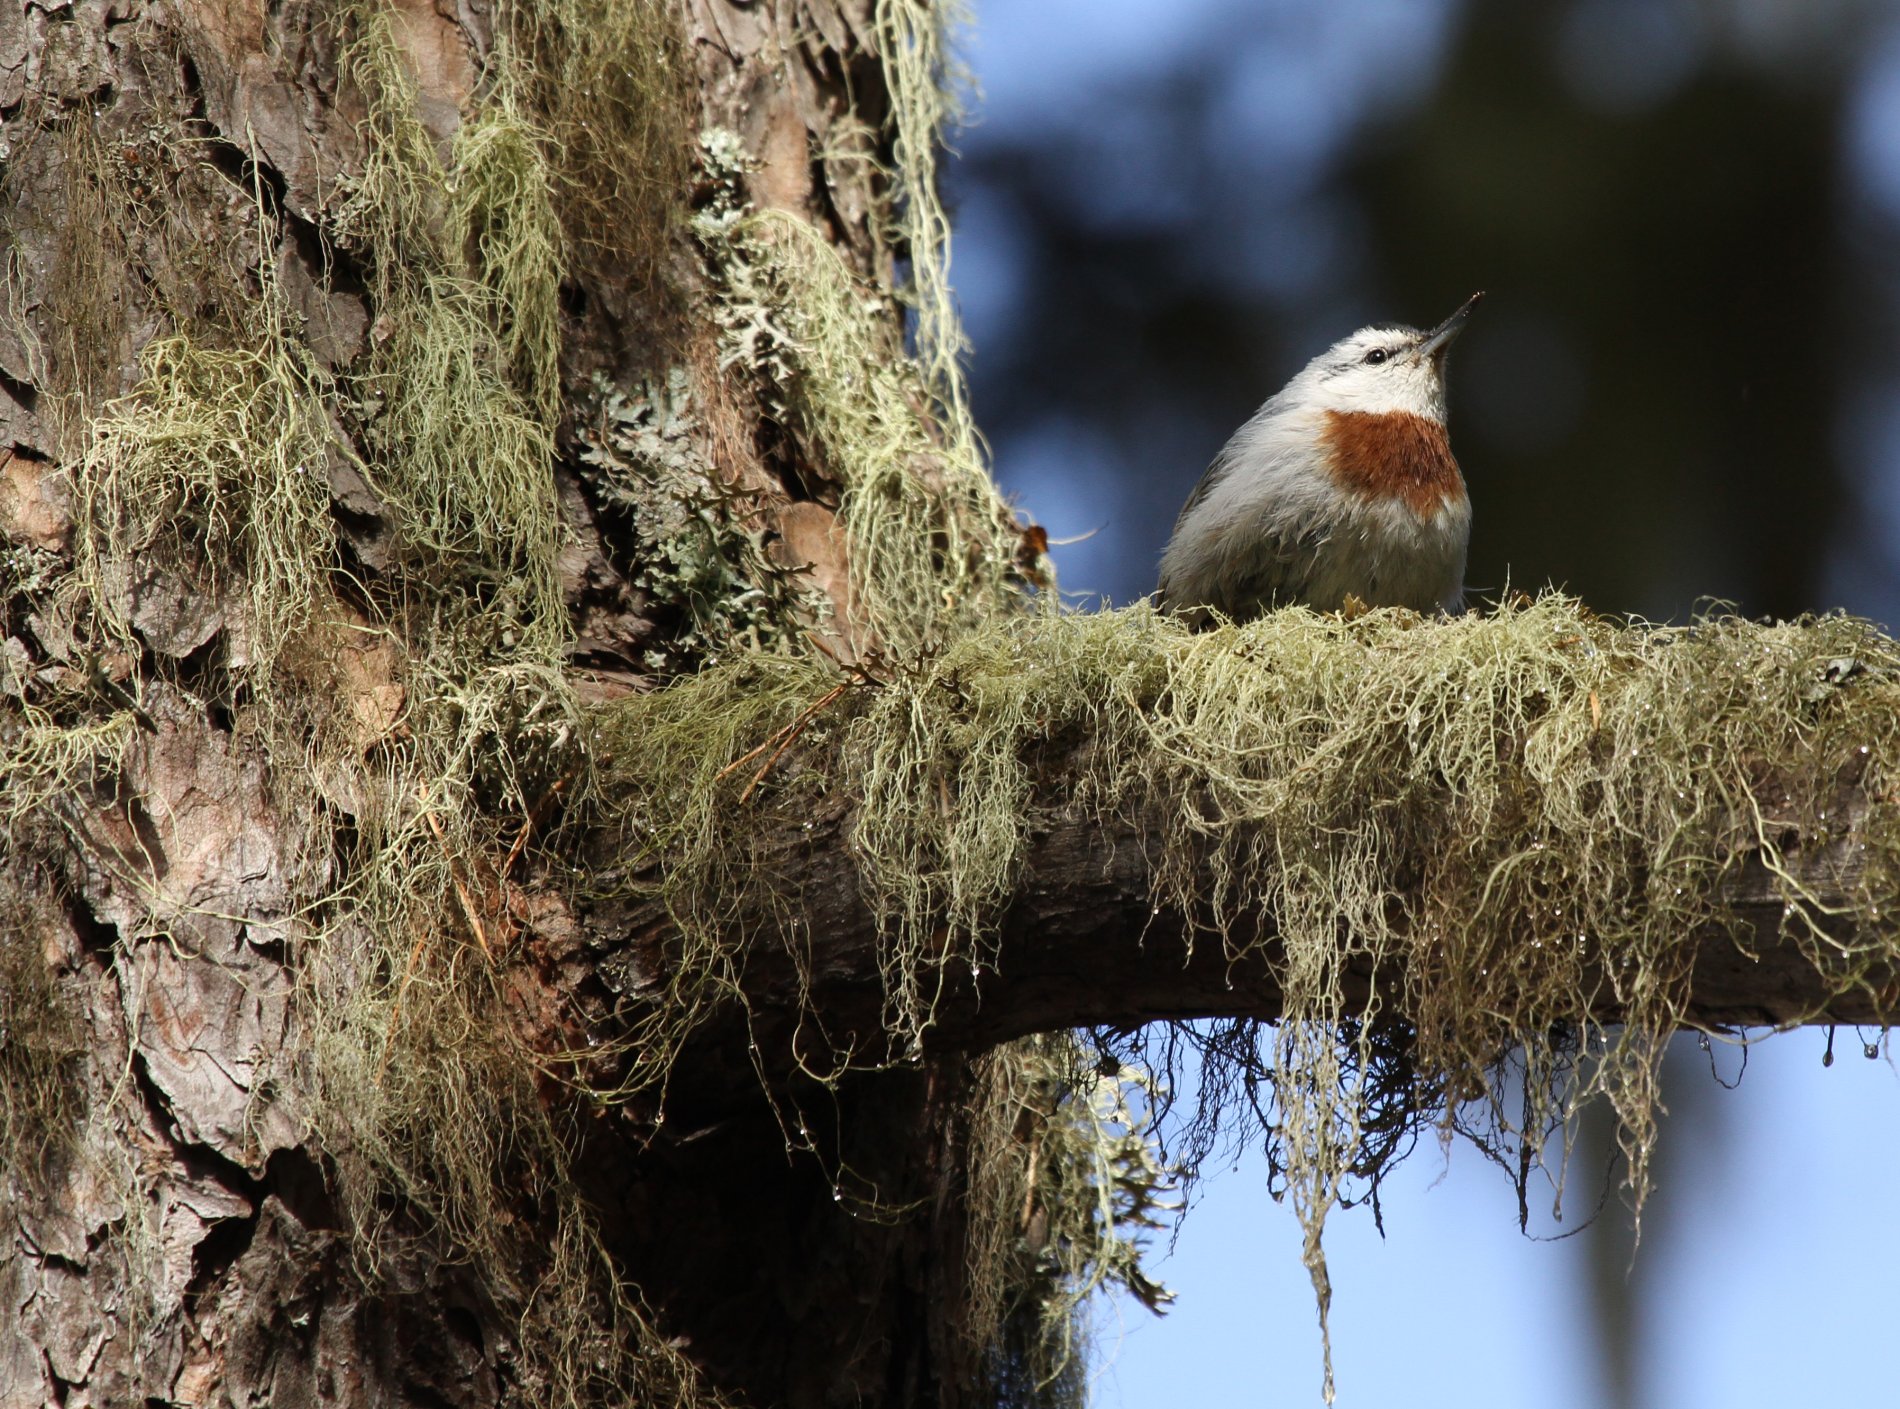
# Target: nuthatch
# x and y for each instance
(1343, 484)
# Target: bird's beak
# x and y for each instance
(1439, 339)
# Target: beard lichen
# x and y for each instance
(915, 39)
(41, 1045)
(459, 401)
(608, 82)
(130, 226)
(434, 1105)
(214, 470)
(1065, 1182)
(1520, 819)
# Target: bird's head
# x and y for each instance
(1381, 370)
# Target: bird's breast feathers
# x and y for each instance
(1393, 457)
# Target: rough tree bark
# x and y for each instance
(177, 1232)
(208, 172)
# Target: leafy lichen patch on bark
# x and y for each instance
(932, 547)
(699, 551)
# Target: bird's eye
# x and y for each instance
(1375, 357)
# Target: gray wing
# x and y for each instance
(1241, 577)
(1271, 570)
(1204, 486)
(1240, 574)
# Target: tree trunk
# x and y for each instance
(317, 506)
(484, 555)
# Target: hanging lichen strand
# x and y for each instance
(933, 548)
(974, 543)
(463, 388)
(1523, 814)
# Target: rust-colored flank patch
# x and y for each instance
(1378, 455)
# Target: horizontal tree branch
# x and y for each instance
(1084, 942)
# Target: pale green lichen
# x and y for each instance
(430, 1099)
(462, 388)
(933, 549)
(1525, 814)
(610, 83)
(915, 39)
(1064, 1167)
(214, 468)
(42, 1040)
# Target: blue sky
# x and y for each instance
(1770, 1271)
